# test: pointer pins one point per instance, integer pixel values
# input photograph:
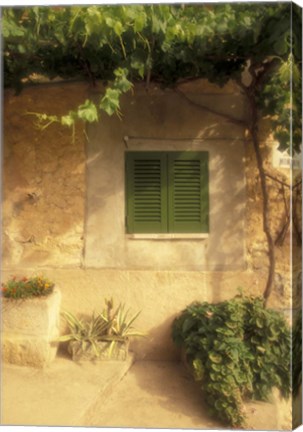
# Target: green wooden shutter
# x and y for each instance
(188, 192)
(146, 192)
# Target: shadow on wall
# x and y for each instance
(227, 211)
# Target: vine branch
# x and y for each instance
(206, 108)
(86, 66)
(277, 180)
(250, 92)
(282, 182)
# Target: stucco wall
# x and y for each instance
(43, 180)
(63, 206)
(163, 120)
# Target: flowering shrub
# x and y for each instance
(26, 287)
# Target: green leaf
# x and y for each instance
(121, 82)
(88, 111)
(259, 323)
(110, 22)
(214, 376)
(10, 28)
(216, 367)
(123, 85)
(138, 65)
(67, 120)
(110, 102)
(198, 369)
(232, 325)
(187, 324)
(216, 358)
(139, 22)
(118, 28)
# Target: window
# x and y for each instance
(166, 192)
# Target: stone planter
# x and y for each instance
(29, 328)
(120, 351)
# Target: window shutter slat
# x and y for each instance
(146, 192)
(188, 192)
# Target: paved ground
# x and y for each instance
(161, 395)
(153, 395)
(117, 394)
(58, 395)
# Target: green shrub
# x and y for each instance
(237, 349)
(25, 287)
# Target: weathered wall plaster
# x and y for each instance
(43, 180)
(163, 120)
(60, 218)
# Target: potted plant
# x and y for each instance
(102, 337)
(115, 343)
(84, 337)
(30, 320)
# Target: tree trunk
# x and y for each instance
(266, 227)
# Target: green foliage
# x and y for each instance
(120, 45)
(89, 111)
(237, 349)
(23, 288)
(281, 100)
(111, 325)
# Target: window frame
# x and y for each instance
(167, 228)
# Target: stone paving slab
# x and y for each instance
(59, 395)
(151, 395)
(163, 395)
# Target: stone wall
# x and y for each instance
(55, 215)
(43, 180)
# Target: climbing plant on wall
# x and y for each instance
(167, 44)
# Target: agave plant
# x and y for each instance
(86, 332)
(121, 327)
(108, 314)
(123, 324)
(106, 332)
